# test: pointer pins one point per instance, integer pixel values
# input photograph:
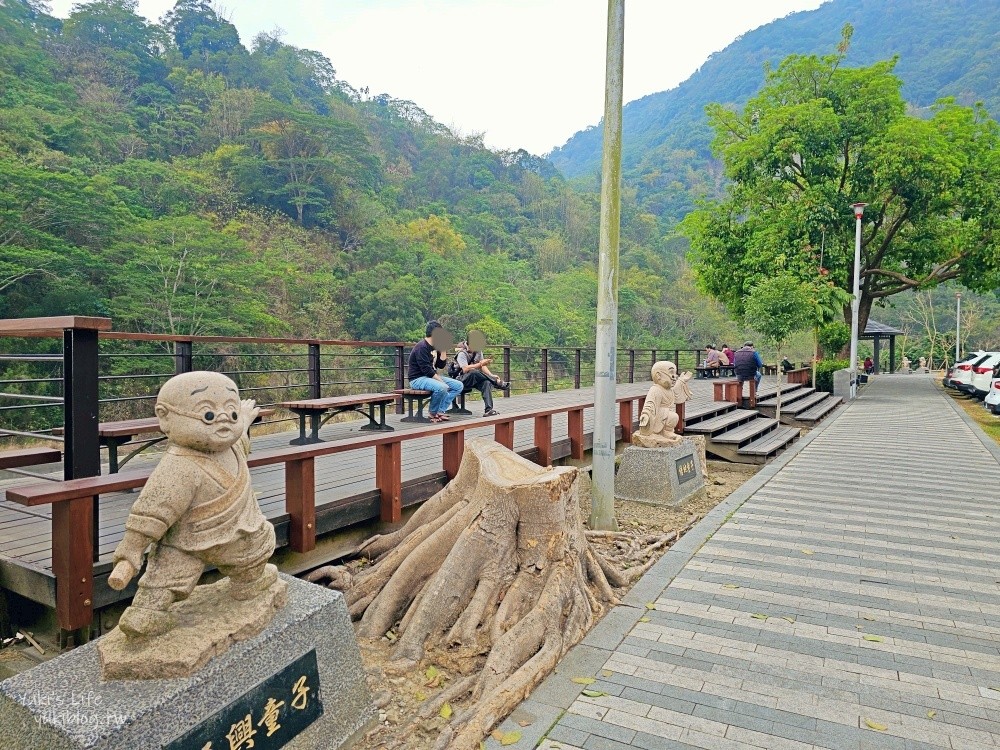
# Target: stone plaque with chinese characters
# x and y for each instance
(266, 717)
(686, 469)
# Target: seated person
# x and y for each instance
(786, 364)
(869, 366)
(748, 364)
(472, 370)
(712, 361)
(724, 359)
(423, 365)
(728, 352)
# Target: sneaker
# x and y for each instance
(491, 413)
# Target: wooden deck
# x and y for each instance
(346, 492)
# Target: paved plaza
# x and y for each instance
(847, 597)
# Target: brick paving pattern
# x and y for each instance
(852, 602)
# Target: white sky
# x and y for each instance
(525, 73)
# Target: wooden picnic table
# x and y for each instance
(314, 410)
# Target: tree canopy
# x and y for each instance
(820, 136)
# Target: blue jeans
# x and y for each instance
(442, 393)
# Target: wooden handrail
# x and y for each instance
(73, 500)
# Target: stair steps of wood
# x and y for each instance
(814, 414)
(771, 444)
(723, 422)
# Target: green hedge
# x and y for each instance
(824, 372)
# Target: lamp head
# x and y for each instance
(859, 209)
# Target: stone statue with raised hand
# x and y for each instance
(197, 508)
(659, 414)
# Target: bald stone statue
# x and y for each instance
(197, 508)
(659, 414)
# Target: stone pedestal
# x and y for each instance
(660, 476)
(298, 684)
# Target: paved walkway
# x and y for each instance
(852, 601)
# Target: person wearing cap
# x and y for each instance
(747, 364)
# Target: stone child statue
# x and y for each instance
(197, 508)
(659, 415)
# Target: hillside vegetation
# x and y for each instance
(945, 49)
(177, 180)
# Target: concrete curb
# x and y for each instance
(989, 443)
(557, 693)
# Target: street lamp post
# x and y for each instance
(958, 325)
(859, 210)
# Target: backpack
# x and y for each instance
(454, 369)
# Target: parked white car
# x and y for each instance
(961, 374)
(992, 401)
(982, 374)
(962, 366)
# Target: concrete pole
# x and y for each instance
(958, 325)
(859, 210)
(602, 514)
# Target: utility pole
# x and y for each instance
(859, 210)
(958, 325)
(602, 514)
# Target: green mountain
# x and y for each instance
(946, 48)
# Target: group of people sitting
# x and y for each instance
(468, 371)
(716, 359)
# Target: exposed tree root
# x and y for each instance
(497, 563)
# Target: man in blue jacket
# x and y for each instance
(748, 364)
(423, 366)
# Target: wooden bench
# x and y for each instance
(799, 376)
(113, 435)
(313, 409)
(15, 459)
(415, 397)
(708, 372)
(726, 390)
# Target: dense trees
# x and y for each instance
(820, 135)
(170, 177)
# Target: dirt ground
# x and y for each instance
(409, 717)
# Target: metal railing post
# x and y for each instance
(183, 357)
(576, 379)
(631, 365)
(315, 389)
(545, 370)
(82, 447)
(506, 369)
(400, 382)
(677, 359)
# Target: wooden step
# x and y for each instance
(820, 410)
(696, 413)
(766, 393)
(747, 432)
(721, 423)
(787, 397)
(771, 444)
(803, 404)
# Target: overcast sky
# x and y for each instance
(526, 73)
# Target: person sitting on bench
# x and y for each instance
(474, 373)
(426, 358)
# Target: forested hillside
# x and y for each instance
(177, 180)
(945, 48)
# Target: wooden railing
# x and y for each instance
(73, 502)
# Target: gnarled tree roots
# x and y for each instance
(497, 563)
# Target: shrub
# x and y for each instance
(824, 372)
